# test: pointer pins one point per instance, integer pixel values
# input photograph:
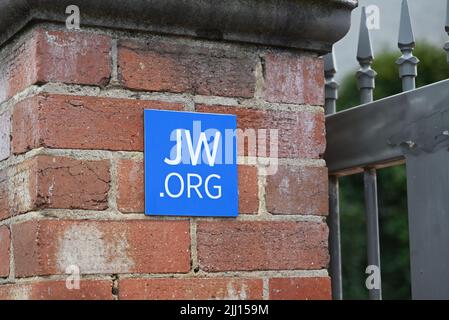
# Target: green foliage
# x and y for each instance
(391, 184)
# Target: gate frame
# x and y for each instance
(411, 128)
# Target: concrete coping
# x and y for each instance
(303, 24)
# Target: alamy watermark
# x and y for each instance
(212, 147)
(372, 17)
(72, 282)
(373, 280)
(72, 22)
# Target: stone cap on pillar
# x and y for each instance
(304, 24)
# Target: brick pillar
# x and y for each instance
(71, 168)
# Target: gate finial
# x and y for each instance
(407, 62)
(331, 87)
(365, 75)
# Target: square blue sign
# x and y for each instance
(190, 164)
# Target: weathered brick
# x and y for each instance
(80, 122)
(187, 68)
(22, 187)
(248, 189)
(48, 247)
(59, 183)
(294, 78)
(297, 190)
(130, 188)
(4, 205)
(56, 56)
(4, 251)
(317, 288)
(5, 135)
(73, 57)
(18, 68)
(57, 290)
(301, 134)
(191, 289)
(261, 245)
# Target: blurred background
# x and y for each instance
(428, 19)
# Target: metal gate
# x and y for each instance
(410, 128)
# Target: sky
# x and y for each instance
(428, 20)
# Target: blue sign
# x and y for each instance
(190, 164)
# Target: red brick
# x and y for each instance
(261, 245)
(297, 190)
(294, 78)
(186, 68)
(191, 289)
(59, 183)
(18, 69)
(57, 290)
(318, 288)
(73, 57)
(59, 121)
(130, 193)
(4, 205)
(248, 189)
(48, 247)
(301, 134)
(23, 187)
(5, 135)
(4, 251)
(56, 56)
